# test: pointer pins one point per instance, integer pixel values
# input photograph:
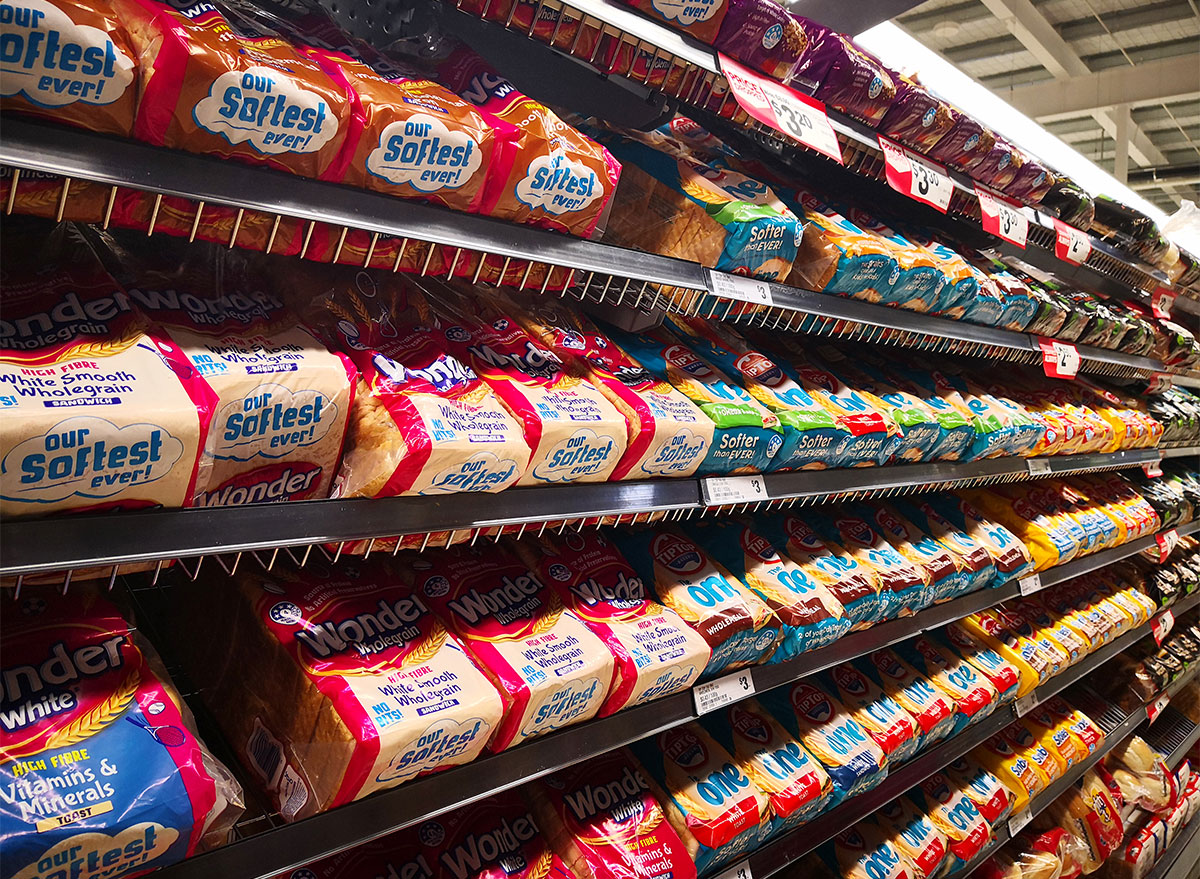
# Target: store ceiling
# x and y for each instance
(1089, 70)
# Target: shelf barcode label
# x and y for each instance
(739, 288)
(1026, 703)
(1030, 584)
(720, 490)
(723, 691)
(1019, 819)
(1161, 626)
(1038, 467)
(1156, 707)
(1003, 218)
(1071, 244)
(737, 871)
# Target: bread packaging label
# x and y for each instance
(496, 838)
(97, 414)
(796, 785)
(863, 852)
(738, 625)
(914, 836)
(904, 583)
(656, 652)
(576, 434)
(747, 436)
(827, 729)
(943, 575)
(892, 728)
(1055, 736)
(602, 820)
(932, 709)
(69, 61)
(811, 616)
(956, 816)
(406, 692)
(551, 669)
(213, 82)
(1005, 676)
(969, 554)
(1016, 771)
(982, 788)
(719, 806)
(1027, 745)
(855, 586)
(974, 697)
(668, 434)
(102, 774)
(1079, 724)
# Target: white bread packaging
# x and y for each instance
(336, 682)
(550, 668)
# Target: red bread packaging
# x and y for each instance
(602, 820)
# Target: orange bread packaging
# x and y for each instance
(602, 820)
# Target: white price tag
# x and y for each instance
(1026, 703)
(1030, 584)
(716, 694)
(1161, 626)
(1002, 218)
(740, 288)
(740, 870)
(1018, 821)
(1156, 707)
(720, 490)
(1038, 466)
(915, 177)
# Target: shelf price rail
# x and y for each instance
(585, 270)
(291, 845)
(686, 71)
(70, 543)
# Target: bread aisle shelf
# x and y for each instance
(594, 271)
(1182, 856)
(291, 845)
(35, 546)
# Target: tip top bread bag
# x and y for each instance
(102, 770)
(656, 652)
(340, 682)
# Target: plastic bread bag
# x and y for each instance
(1047, 539)
(576, 434)
(920, 432)
(997, 632)
(120, 734)
(856, 586)
(765, 36)
(676, 205)
(956, 431)
(993, 433)
(1049, 627)
(712, 804)
(736, 623)
(952, 813)
(945, 579)
(668, 434)
(813, 437)
(1027, 745)
(1025, 622)
(699, 19)
(795, 783)
(103, 413)
(933, 711)
(811, 617)
(970, 555)
(895, 730)
(836, 256)
(423, 421)
(993, 800)
(1051, 853)
(913, 835)
(854, 762)
(747, 436)
(72, 62)
(1087, 814)
(1056, 736)
(916, 118)
(921, 280)
(965, 144)
(551, 669)
(973, 695)
(1023, 778)
(1142, 775)
(962, 283)
(864, 851)
(1136, 858)
(905, 585)
(850, 79)
(1005, 676)
(656, 652)
(602, 820)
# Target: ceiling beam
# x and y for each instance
(1155, 83)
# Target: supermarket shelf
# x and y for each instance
(1181, 451)
(281, 848)
(688, 72)
(1182, 855)
(40, 546)
(587, 270)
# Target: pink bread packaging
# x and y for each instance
(100, 410)
(496, 838)
(336, 682)
(656, 652)
(103, 773)
(576, 434)
(550, 668)
(602, 820)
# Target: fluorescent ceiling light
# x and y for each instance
(900, 51)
